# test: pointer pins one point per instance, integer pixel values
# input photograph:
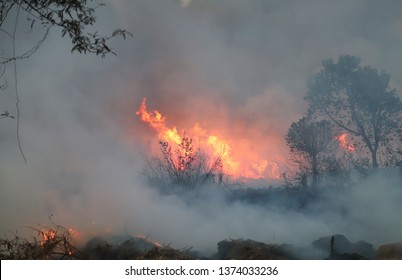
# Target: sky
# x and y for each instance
(236, 68)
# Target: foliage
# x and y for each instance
(73, 18)
(6, 114)
(185, 166)
(357, 100)
(310, 143)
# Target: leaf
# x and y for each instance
(116, 32)
(106, 47)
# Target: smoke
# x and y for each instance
(237, 68)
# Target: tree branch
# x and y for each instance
(16, 89)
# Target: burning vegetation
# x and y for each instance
(56, 244)
(348, 126)
(325, 150)
(213, 91)
(47, 242)
(184, 167)
(215, 151)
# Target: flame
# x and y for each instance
(221, 148)
(343, 142)
(247, 165)
(47, 235)
(157, 122)
(146, 239)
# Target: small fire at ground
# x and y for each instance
(47, 235)
(237, 161)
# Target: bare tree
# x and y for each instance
(184, 166)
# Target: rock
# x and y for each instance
(249, 250)
(342, 248)
(294, 252)
(345, 256)
(391, 251)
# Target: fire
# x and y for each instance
(146, 239)
(50, 234)
(343, 142)
(47, 235)
(247, 164)
(157, 122)
(221, 148)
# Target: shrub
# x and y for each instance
(185, 167)
(47, 243)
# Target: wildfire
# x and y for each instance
(47, 235)
(343, 142)
(146, 239)
(246, 165)
(56, 242)
(157, 122)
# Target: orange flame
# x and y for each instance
(47, 235)
(343, 142)
(157, 122)
(50, 234)
(213, 144)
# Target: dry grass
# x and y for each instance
(165, 253)
(56, 243)
(43, 243)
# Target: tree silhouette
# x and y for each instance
(359, 101)
(309, 142)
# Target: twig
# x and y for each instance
(16, 88)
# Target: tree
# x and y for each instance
(359, 101)
(72, 17)
(309, 142)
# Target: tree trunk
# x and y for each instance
(315, 171)
(374, 158)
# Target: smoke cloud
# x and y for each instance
(237, 68)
